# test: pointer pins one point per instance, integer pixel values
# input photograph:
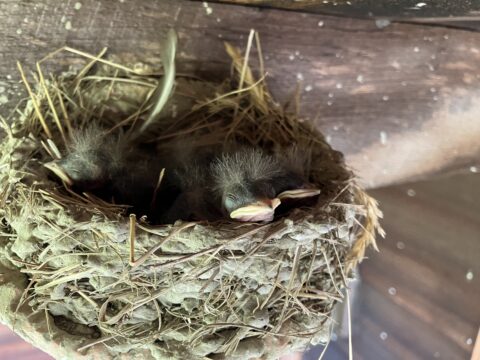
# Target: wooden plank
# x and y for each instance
(387, 98)
(370, 8)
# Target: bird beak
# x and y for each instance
(298, 194)
(57, 170)
(262, 210)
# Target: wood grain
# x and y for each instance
(401, 102)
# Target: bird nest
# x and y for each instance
(82, 278)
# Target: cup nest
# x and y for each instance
(81, 279)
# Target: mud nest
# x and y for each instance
(81, 279)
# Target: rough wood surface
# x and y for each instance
(398, 8)
(401, 102)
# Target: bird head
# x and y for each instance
(250, 201)
(83, 170)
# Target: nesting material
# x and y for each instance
(80, 279)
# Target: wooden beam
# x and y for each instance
(401, 102)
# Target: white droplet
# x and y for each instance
(469, 275)
(297, 53)
(420, 5)
(469, 341)
(416, 49)
(396, 64)
(25, 20)
(473, 169)
(19, 31)
(329, 103)
(445, 37)
(382, 23)
(385, 97)
(9, 77)
(392, 291)
(299, 76)
(383, 335)
(308, 88)
(330, 95)
(68, 25)
(219, 20)
(411, 192)
(383, 137)
(3, 99)
(400, 245)
(320, 23)
(360, 78)
(291, 57)
(208, 10)
(339, 86)
(77, 6)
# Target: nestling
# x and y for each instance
(246, 184)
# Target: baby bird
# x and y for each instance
(110, 166)
(246, 185)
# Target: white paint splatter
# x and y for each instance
(77, 6)
(329, 103)
(416, 49)
(68, 25)
(383, 335)
(299, 76)
(360, 78)
(330, 95)
(291, 57)
(19, 31)
(320, 23)
(469, 341)
(382, 23)
(208, 9)
(9, 77)
(420, 5)
(308, 88)
(25, 20)
(339, 85)
(3, 99)
(433, 90)
(469, 275)
(219, 20)
(396, 64)
(385, 98)
(297, 53)
(392, 291)
(400, 245)
(383, 137)
(411, 192)
(473, 169)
